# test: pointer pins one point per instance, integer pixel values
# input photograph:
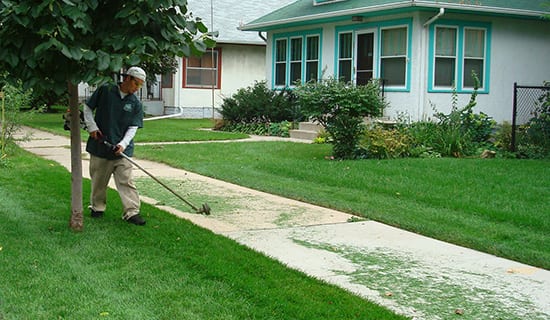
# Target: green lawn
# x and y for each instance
(492, 205)
(170, 269)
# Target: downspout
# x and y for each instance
(441, 12)
(262, 36)
(424, 67)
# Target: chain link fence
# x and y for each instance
(528, 101)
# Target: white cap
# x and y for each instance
(136, 72)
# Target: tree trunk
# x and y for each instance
(77, 220)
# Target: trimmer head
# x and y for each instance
(205, 209)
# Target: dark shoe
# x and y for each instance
(137, 220)
(96, 214)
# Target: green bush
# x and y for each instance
(340, 107)
(382, 143)
(280, 129)
(14, 100)
(259, 104)
(503, 136)
(458, 133)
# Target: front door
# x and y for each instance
(364, 57)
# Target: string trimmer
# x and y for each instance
(204, 209)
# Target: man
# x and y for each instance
(118, 115)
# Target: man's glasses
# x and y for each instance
(137, 83)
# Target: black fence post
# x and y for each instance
(514, 113)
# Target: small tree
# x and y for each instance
(54, 45)
(341, 108)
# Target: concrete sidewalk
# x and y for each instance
(411, 274)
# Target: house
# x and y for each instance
(237, 61)
(423, 50)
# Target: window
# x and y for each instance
(280, 62)
(445, 56)
(345, 57)
(312, 58)
(375, 51)
(296, 58)
(203, 71)
(457, 50)
(393, 56)
(167, 80)
(474, 56)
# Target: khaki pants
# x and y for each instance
(100, 172)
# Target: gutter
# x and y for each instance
(402, 4)
(479, 8)
(324, 15)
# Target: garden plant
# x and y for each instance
(459, 133)
(259, 110)
(340, 108)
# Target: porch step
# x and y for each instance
(306, 131)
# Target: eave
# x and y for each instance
(408, 5)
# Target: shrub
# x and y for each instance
(461, 132)
(14, 99)
(258, 104)
(503, 136)
(340, 107)
(280, 129)
(379, 142)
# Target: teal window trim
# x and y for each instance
(459, 77)
(304, 35)
(378, 27)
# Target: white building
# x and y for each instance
(421, 48)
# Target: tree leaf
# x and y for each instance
(88, 55)
(43, 47)
(76, 53)
(13, 60)
(134, 59)
(65, 51)
(116, 62)
(103, 60)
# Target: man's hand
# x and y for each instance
(96, 135)
(119, 149)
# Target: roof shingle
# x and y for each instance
(229, 15)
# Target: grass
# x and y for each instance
(170, 269)
(165, 130)
(492, 205)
